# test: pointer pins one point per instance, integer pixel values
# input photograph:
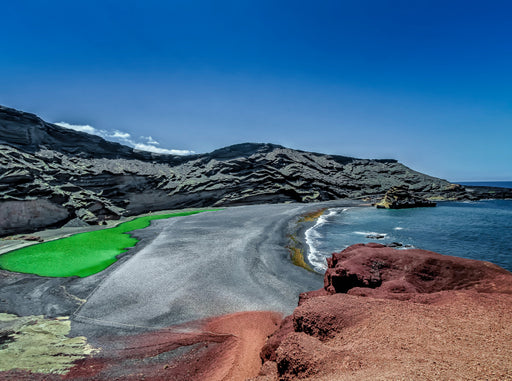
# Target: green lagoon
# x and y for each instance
(82, 254)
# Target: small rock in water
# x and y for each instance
(376, 236)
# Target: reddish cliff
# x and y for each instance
(398, 314)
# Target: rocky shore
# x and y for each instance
(400, 197)
(392, 314)
(51, 176)
(203, 297)
(191, 302)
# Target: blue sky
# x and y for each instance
(426, 82)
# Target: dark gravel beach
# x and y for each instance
(205, 265)
(183, 269)
(184, 272)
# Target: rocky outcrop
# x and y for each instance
(399, 197)
(17, 216)
(94, 180)
(376, 270)
(482, 192)
(398, 314)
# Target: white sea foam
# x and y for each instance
(398, 228)
(371, 233)
(315, 257)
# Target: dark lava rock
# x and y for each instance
(399, 197)
(482, 192)
(31, 238)
(29, 133)
(29, 215)
(86, 177)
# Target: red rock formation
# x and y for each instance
(384, 314)
(384, 272)
(398, 314)
(221, 348)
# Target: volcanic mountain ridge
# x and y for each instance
(51, 176)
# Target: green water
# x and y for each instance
(82, 254)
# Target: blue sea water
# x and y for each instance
(498, 184)
(478, 230)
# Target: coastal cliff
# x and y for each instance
(50, 175)
(397, 314)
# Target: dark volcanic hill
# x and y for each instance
(51, 175)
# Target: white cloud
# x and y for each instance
(120, 135)
(125, 138)
(152, 148)
(150, 140)
(79, 127)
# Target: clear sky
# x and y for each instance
(426, 82)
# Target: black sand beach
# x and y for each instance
(183, 269)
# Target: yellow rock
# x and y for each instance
(40, 345)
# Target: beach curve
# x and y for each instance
(204, 265)
(231, 265)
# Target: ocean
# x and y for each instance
(498, 184)
(477, 230)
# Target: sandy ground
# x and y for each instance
(209, 264)
(186, 268)
(250, 331)
(211, 253)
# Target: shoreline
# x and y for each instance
(14, 241)
(300, 233)
(65, 295)
(461, 234)
(105, 305)
(297, 244)
(197, 281)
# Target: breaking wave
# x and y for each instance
(313, 238)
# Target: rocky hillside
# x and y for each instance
(50, 176)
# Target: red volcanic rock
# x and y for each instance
(300, 355)
(221, 348)
(385, 272)
(312, 294)
(268, 352)
(392, 314)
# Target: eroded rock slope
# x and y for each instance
(51, 175)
